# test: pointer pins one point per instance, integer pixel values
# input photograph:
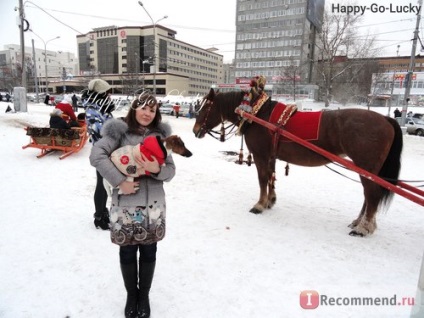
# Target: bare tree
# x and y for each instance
(290, 78)
(341, 53)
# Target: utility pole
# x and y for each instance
(21, 31)
(411, 67)
(393, 85)
(20, 98)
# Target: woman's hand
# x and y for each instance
(129, 187)
(147, 165)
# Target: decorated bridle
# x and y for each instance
(222, 134)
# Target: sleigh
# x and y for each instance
(50, 140)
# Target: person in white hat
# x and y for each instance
(98, 109)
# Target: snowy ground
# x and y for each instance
(217, 260)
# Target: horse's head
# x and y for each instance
(215, 108)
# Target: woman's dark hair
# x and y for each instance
(145, 99)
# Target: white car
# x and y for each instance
(414, 126)
(167, 109)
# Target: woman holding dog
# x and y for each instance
(138, 214)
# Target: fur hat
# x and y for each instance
(97, 92)
(99, 86)
(56, 112)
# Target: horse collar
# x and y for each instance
(254, 109)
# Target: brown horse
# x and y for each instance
(372, 141)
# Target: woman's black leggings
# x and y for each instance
(128, 254)
(100, 196)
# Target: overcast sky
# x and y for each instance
(200, 23)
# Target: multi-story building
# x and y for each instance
(149, 57)
(276, 37)
(57, 67)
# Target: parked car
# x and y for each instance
(184, 110)
(3, 94)
(414, 126)
(122, 104)
(167, 109)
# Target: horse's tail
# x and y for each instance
(391, 167)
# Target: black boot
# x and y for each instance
(145, 282)
(101, 220)
(129, 273)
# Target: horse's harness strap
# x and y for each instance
(288, 111)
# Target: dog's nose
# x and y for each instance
(187, 153)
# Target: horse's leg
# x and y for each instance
(358, 219)
(263, 177)
(272, 196)
(367, 223)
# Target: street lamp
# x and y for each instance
(154, 44)
(45, 56)
(138, 67)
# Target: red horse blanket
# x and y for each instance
(305, 125)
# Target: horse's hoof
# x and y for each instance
(255, 211)
(354, 233)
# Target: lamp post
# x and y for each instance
(45, 56)
(154, 44)
(45, 62)
(138, 67)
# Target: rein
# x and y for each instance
(222, 134)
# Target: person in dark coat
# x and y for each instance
(397, 113)
(75, 103)
(56, 120)
(98, 109)
(7, 97)
(47, 99)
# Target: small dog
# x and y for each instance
(124, 157)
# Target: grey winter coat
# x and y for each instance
(137, 218)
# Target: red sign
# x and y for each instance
(123, 34)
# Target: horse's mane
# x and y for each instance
(229, 98)
(228, 101)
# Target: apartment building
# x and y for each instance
(275, 35)
(41, 66)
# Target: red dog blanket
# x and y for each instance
(305, 125)
(124, 157)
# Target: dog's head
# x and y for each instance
(175, 144)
